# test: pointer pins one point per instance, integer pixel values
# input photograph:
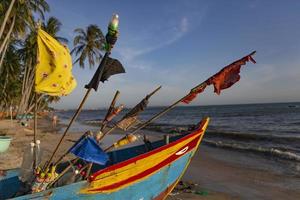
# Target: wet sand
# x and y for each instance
(213, 173)
(236, 175)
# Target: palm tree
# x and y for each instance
(10, 82)
(88, 44)
(52, 26)
(18, 17)
(6, 16)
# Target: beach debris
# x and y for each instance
(188, 187)
(202, 193)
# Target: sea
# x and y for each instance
(270, 131)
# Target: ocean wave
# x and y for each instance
(253, 136)
(276, 152)
(213, 132)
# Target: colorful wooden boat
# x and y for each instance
(133, 173)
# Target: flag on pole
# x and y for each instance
(194, 92)
(88, 149)
(224, 79)
(229, 75)
(110, 67)
(54, 67)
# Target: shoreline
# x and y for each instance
(210, 174)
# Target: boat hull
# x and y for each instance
(151, 175)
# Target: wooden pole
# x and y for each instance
(35, 132)
(35, 119)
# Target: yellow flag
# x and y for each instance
(54, 67)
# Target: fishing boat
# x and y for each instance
(132, 173)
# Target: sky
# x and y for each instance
(179, 44)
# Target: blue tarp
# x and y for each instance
(88, 149)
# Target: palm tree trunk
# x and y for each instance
(8, 34)
(6, 17)
(28, 83)
(5, 83)
(31, 106)
(3, 55)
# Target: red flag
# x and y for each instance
(229, 75)
(193, 93)
(225, 78)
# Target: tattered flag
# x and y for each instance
(229, 75)
(107, 68)
(225, 78)
(193, 93)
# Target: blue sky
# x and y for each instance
(178, 44)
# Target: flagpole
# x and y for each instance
(114, 127)
(38, 25)
(35, 131)
(111, 38)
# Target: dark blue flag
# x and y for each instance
(88, 149)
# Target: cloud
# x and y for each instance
(152, 41)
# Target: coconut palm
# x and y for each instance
(19, 16)
(88, 45)
(52, 26)
(10, 82)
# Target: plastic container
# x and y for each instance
(27, 167)
(4, 143)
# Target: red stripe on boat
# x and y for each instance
(160, 165)
(132, 160)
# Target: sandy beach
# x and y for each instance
(210, 175)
